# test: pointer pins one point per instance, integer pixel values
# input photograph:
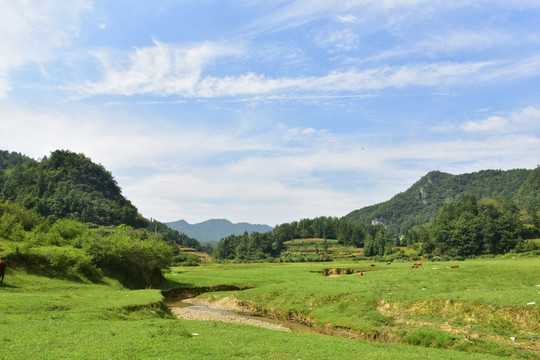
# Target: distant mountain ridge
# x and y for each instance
(423, 200)
(215, 229)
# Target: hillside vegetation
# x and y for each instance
(421, 203)
(66, 185)
(68, 216)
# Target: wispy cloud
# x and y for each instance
(162, 69)
(31, 30)
(342, 40)
(165, 69)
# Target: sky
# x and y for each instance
(272, 111)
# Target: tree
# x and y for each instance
(369, 246)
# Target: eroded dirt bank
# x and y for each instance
(249, 313)
(227, 314)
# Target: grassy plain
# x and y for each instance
(48, 318)
(477, 307)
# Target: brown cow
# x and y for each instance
(372, 264)
(417, 264)
(360, 273)
(2, 270)
(455, 266)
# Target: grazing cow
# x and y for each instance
(2, 270)
(360, 273)
(417, 264)
(455, 266)
(372, 264)
(388, 263)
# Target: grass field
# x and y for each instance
(433, 312)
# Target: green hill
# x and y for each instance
(66, 185)
(423, 200)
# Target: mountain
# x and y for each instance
(215, 229)
(422, 201)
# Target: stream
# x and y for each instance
(199, 309)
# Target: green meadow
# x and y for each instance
(392, 311)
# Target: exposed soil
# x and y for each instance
(228, 307)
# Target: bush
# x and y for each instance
(135, 262)
(428, 337)
(69, 229)
(184, 259)
(56, 262)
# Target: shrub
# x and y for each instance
(428, 337)
(69, 229)
(135, 262)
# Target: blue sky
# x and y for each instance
(272, 111)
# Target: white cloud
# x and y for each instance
(301, 12)
(31, 30)
(165, 69)
(491, 124)
(451, 42)
(517, 122)
(349, 18)
(162, 69)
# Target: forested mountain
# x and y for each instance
(216, 229)
(66, 185)
(421, 202)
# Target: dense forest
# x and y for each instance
(472, 227)
(257, 246)
(66, 185)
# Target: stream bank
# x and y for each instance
(185, 303)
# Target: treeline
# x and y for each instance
(346, 233)
(177, 237)
(260, 246)
(463, 228)
(248, 247)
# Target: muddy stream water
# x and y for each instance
(224, 310)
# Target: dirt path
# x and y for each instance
(197, 314)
